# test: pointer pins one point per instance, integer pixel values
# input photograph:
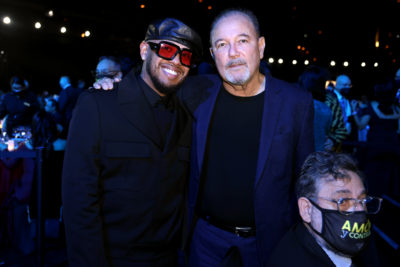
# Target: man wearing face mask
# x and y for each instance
(342, 90)
(334, 208)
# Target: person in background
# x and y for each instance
(313, 79)
(108, 66)
(19, 106)
(334, 207)
(67, 98)
(127, 159)
(342, 91)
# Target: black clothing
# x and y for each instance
(122, 190)
(67, 101)
(299, 248)
(161, 108)
(228, 191)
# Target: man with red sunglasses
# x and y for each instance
(127, 159)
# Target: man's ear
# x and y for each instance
(305, 208)
(211, 52)
(143, 50)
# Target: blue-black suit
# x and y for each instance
(285, 141)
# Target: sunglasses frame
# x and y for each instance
(156, 47)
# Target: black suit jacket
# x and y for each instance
(123, 194)
(299, 248)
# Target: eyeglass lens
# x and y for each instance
(169, 51)
(371, 204)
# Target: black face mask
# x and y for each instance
(348, 234)
(345, 91)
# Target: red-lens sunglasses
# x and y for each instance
(168, 51)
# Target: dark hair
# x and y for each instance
(237, 11)
(322, 165)
(313, 79)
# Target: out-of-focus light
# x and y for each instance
(83, 35)
(363, 64)
(50, 13)
(294, 61)
(200, 1)
(314, 59)
(305, 35)
(142, 6)
(63, 29)
(298, 47)
(376, 64)
(332, 63)
(398, 36)
(346, 63)
(209, 7)
(303, 48)
(38, 25)
(87, 33)
(280, 61)
(271, 60)
(376, 44)
(306, 62)
(2, 52)
(319, 32)
(6, 20)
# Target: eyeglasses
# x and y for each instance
(101, 75)
(371, 205)
(168, 51)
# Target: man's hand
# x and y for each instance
(106, 83)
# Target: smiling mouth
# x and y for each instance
(170, 72)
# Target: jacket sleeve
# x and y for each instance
(81, 186)
(305, 144)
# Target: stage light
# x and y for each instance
(271, 60)
(306, 62)
(6, 20)
(63, 29)
(332, 63)
(38, 25)
(363, 64)
(87, 33)
(376, 64)
(280, 61)
(294, 61)
(50, 13)
(346, 63)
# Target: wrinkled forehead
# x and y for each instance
(231, 25)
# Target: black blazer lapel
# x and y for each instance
(136, 109)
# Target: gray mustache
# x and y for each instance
(235, 62)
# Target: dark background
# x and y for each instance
(329, 30)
